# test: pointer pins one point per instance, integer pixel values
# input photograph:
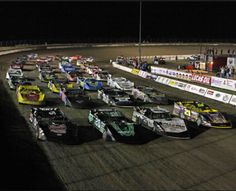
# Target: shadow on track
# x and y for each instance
(23, 164)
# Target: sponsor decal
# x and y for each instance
(210, 92)
(233, 100)
(225, 98)
(135, 71)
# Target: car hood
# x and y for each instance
(123, 128)
(175, 125)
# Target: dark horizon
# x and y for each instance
(117, 21)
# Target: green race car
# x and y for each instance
(111, 123)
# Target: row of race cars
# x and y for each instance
(74, 76)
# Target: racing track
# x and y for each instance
(206, 162)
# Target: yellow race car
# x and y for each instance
(55, 84)
(201, 113)
(29, 94)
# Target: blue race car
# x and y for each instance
(66, 67)
(89, 83)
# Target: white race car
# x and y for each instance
(120, 83)
(14, 72)
(91, 69)
(101, 75)
(161, 122)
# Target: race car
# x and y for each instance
(89, 83)
(29, 94)
(160, 121)
(14, 72)
(75, 58)
(120, 83)
(101, 75)
(32, 56)
(120, 60)
(48, 123)
(44, 67)
(56, 83)
(46, 76)
(68, 67)
(90, 59)
(75, 97)
(115, 97)
(17, 66)
(72, 75)
(91, 69)
(149, 95)
(14, 81)
(201, 113)
(112, 124)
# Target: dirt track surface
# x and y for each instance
(206, 162)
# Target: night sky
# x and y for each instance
(117, 21)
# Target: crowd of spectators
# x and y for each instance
(226, 72)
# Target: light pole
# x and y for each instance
(140, 28)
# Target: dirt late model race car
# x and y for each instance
(120, 83)
(75, 97)
(89, 83)
(49, 123)
(101, 75)
(15, 81)
(46, 76)
(201, 113)
(56, 83)
(161, 122)
(112, 124)
(14, 72)
(29, 94)
(115, 97)
(149, 95)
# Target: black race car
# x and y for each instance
(115, 97)
(49, 123)
(75, 97)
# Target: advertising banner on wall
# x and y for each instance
(182, 75)
(219, 96)
(196, 89)
(135, 71)
(223, 83)
(143, 74)
(233, 100)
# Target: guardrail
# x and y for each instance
(202, 91)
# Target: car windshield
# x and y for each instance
(55, 114)
(164, 115)
(117, 93)
(215, 115)
(115, 114)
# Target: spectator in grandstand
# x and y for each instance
(227, 71)
(222, 72)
